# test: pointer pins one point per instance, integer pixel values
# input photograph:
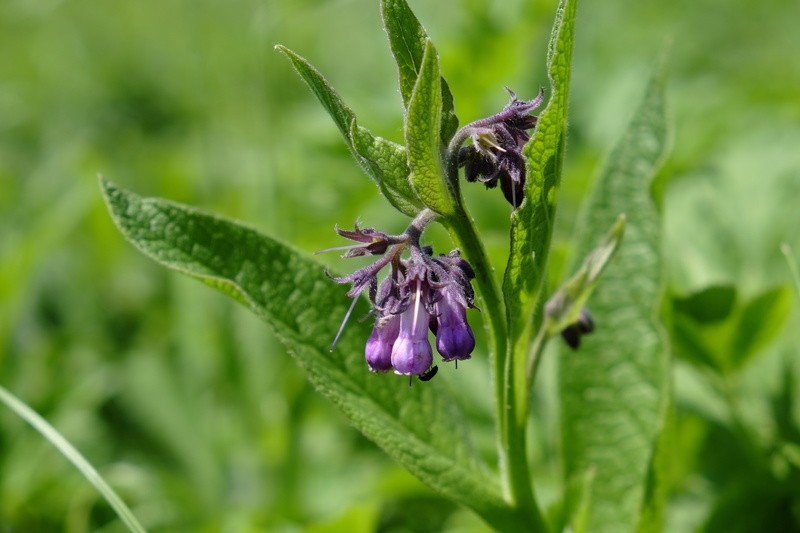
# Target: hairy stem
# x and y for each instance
(418, 225)
(511, 416)
(535, 355)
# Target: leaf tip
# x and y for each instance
(293, 57)
(619, 225)
(107, 187)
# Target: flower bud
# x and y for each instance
(454, 338)
(378, 351)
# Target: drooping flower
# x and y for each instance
(495, 155)
(378, 351)
(454, 337)
(411, 353)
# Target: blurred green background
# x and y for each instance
(185, 402)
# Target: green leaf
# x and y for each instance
(713, 330)
(698, 343)
(564, 307)
(660, 474)
(420, 427)
(387, 163)
(760, 322)
(408, 40)
(701, 323)
(711, 305)
(532, 223)
(382, 160)
(571, 512)
(614, 390)
(422, 139)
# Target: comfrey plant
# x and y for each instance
(613, 390)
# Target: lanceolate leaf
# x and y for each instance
(614, 390)
(422, 139)
(378, 157)
(407, 39)
(388, 165)
(532, 223)
(419, 426)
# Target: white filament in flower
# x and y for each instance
(335, 248)
(416, 306)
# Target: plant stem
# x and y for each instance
(515, 433)
(465, 235)
(508, 364)
(418, 225)
(535, 355)
(511, 412)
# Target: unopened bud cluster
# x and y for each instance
(495, 154)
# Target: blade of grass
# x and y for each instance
(74, 456)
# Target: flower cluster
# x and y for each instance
(495, 154)
(422, 293)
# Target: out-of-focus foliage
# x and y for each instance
(187, 405)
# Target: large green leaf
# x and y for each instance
(419, 426)
(408, 39)
(532, 223)
(422, 137)
(614, 390)
(382, 160)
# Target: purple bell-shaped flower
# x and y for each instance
(454, 338)
(378, 350)
(411, 353)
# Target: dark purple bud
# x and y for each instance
(378, 350)
(411, 352)
(520, 118)
(454, 338)
(477, 166)
(583, 326)
(511, 172)
(572, 336)
(375, 242)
